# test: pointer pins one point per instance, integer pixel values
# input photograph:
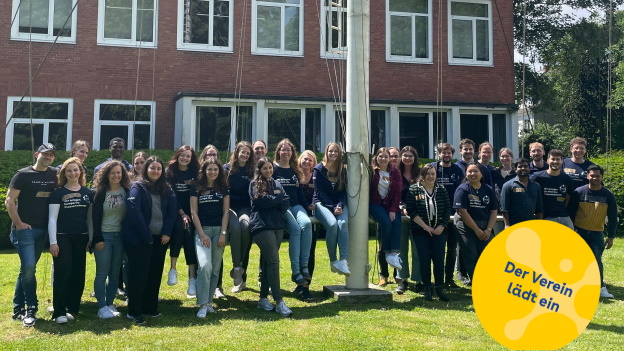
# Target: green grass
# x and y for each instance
(408, 322)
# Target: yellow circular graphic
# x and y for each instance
(536, 286)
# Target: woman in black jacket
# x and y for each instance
(267, 222)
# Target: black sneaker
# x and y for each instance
(139, 320)
(298, 289)
(18, 313)
(452, 285)
(402, 287)
(305, 294)
(30, 318)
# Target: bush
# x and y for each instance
(613, 164)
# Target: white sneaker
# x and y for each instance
(604, 293)
(265, 304)
(282, 309)
(219, 293)
(114, 310)
(172, 278)
(394, 260)
(239, 288)
(192, 288)
(237, 275)
(60, 320)
(203, 310)
(105, 313)
(69, 316)
(341, 267)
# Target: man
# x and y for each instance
(116, 146)
(259, 149)
(521, 198)
(556, 190)
(27, 205)
(450, 176)
(589, 206)
(576, 166)
(536, 150)
(466, 150)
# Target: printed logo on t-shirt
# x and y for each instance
(563, 189)
(43, 194)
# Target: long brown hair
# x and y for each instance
(62, 179)
(202, 179)
(101, 182)
(415, 167)
(202, 156)
(234, 159)
(262, 185)
(338, 166)
(173, 165)
(293, 162)
(160, 186)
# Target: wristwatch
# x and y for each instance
(223, 232)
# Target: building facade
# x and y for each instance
(165, 73)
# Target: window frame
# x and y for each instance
(232, 139)
(473, 61)
(97, 123)
(205, 47)
(342, 51)
(133, 42)
(17, 35)
(8, 141)
(412, 58)
(302, 119)
(255, 50)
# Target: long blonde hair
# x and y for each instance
(338, 166)
(62, 179)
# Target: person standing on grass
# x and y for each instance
(385, 196)
(505, 172)
(330, 198)
(521, 198)
(307, 161)
(70, 229)
(209, 151)
(485, 155)
(269, 202)
(395, 160)
(27, 205)
(80, 149)
(138, 161)
(536, 150)
(151, 214)
(259, 149)
(590, 205)
(181, 173)
(299, 226)
(467, 150)
(210, 205)
(429, 210)
(117, 146)
(111, 185)
(576, 166)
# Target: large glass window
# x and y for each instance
(334, 28)
(475, 127)
(287, 123)
(408, 30)
(378, 129)
(470, 32)
(440, 123)
(134, 122)
(341, 130)
(499, 132)
(205, 25)
(414, 131)
(50, 123)
(127, 22)
(214, 125)
(44, 20)
(277, 27)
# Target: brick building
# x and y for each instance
(165, 73)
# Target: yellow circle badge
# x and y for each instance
(536, 286)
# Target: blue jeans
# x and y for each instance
(300, 230)
(390, 231)
(29, 244)
(596, 243)
(209, 264)
(107, 264)
(337, 228)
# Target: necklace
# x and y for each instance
(431, 211)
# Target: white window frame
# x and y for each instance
(412, 16)
(133, 42)
(130, 124)
(341, 52)
(254, 33)
(473, 61)
(191, 126)
(207, 47)
(302, 116)
(8, 142)
(17, 35)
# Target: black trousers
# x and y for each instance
(69, 273)
(145, 268)
(430, 249)
(451, 252)
(183, 238)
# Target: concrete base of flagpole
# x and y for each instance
(344, 295)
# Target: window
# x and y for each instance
(127, 23)
(288, 122)
(206, 25)
(214, 125)
(414, 131)
(470, 32)
(51, 123)
(132, 121)
(475, 127)
(277, 27)
(408, 31)
(440, 125)
(44, 20)
(499, 132)
(340, 116)
(334, 28)
(378, 129)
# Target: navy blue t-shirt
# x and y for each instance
(450, 177)
(478, 202)
(182, 183)
(72, 215)
(290, 182)
(554, 192)
(576, 171)
(210, 206)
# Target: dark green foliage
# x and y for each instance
(551, 136)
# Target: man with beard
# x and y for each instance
(556, 190)
(116, 146)
(466, 150)
(521, 198)
(537, 155)
(576, 166)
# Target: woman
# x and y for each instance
(209, 151)
(70, 229)
(385, 196)
(395, 156)
(181, 173)
(429, 209)
(109, 210)
(307, 161)
(410, 172)
(138, 161)
(476, 207)
(151, 215)
(288, 174)
(267, 223)
(210, 205)
(330, 198)
(505, 172)
(240, 172)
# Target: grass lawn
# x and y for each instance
(407, 323)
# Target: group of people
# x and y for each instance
(137, 210)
